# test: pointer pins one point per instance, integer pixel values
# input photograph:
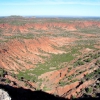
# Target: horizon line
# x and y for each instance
(48, 16)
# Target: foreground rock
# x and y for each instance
(4, 95)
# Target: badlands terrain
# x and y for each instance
(59, 56)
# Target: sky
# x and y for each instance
(50, 7)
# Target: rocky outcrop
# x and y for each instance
(4, 95)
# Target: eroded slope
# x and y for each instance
(59, 56)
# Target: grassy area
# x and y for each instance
(91, 30)
(55, 61)
(21, 36)
(87, 58)
(2, 41)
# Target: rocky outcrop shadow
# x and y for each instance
(26, 94)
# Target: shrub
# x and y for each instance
(95, 56)
(8, 81)
(97, 62)
(61, 83)
(89, 90)
(88, 60)
(79, 62)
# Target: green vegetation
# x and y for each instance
(91, 30)
(93, 74)
(55, 61)
(86, 59)
(83, 48)
(8, 81)
(97, 62)
(78, 63)
(98, 86)
(21, 36)
(2, 41)
(1, 72)
(61, 83)
(89, 90)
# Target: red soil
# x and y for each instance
(45, 26)
(15, 54)
(62, 90)
(77, 90)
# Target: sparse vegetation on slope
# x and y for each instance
(58, 56)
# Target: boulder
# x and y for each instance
(4, 95)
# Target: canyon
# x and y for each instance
(59, 56)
